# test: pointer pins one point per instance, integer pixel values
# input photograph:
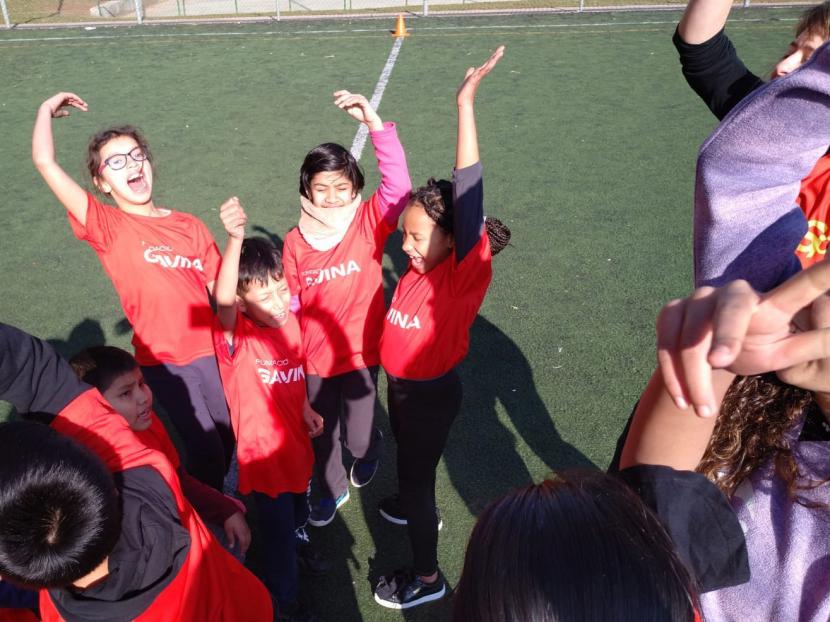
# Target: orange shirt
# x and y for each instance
(814, 200)
(159, 267)
(211, 586)
(264, 384)
(341, 291)
(427, 328)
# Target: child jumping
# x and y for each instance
(162, 264)
(426, 334)
(333, 265)
(261, 360)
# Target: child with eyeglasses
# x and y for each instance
(162, 263)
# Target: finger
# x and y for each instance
(60, 113)
(231, 537)
(801, 348)
(341, 93)
(491, 62)
(695, 342)
(669, 324)
(736, 305)
(245, 542)
(801, 289)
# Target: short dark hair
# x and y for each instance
(815, 21)
(581, 546)
(101, 365)
(93, 149)
(329, 157)
(258, 260)
(60, 515)
(435, 197)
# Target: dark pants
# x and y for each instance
(279, 519)
(346, 401)
(421, 414)
(193, 399)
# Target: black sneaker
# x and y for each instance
(403, 590)
(295, 612)
(311, 562)
(390, 509)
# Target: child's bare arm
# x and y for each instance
(234, 219)
(466, 148)
(66, 189)
(703, 19)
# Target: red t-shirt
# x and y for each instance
(814, 200)
(264, 383)
(159, 267)
(341, 291)
(427, 327)
(211, 586)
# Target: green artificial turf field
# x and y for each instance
(588, 137)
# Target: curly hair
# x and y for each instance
(436, 199)
(756, 414)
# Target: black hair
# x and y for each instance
(580, 547)
(93, 149)
(329, 157)
(59, 509)
(258, 260)
(101, 365)
(436, 199)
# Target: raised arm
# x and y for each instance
(703, 19)
(395, 184)
(468, 191)
(66, 189)
(234, 219)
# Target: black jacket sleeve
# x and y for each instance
(715, 72)
(33, 377)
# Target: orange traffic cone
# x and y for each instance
(400, 28)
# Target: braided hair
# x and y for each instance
(436, 199)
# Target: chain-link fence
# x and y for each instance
(25, 12)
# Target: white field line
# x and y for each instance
(162, 35)
(362, 132)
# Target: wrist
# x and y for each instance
(375, 125)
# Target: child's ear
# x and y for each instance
(102, 185)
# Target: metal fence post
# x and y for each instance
(426, 8)
(278, 9)
(746, 4)
(139, 11)
(581, 5)
(6, 13)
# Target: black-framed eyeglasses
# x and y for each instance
(117, 161)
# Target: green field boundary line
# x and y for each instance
(390, 13)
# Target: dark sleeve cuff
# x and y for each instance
(700, 521)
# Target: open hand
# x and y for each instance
(233, 217)
(467, 91)
(736, 328)
(58, 103)
(358, 108)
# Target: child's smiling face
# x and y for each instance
(424, 241)
(331, 189)
(123, 174)
(267, 304)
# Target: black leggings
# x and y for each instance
(421, 413)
